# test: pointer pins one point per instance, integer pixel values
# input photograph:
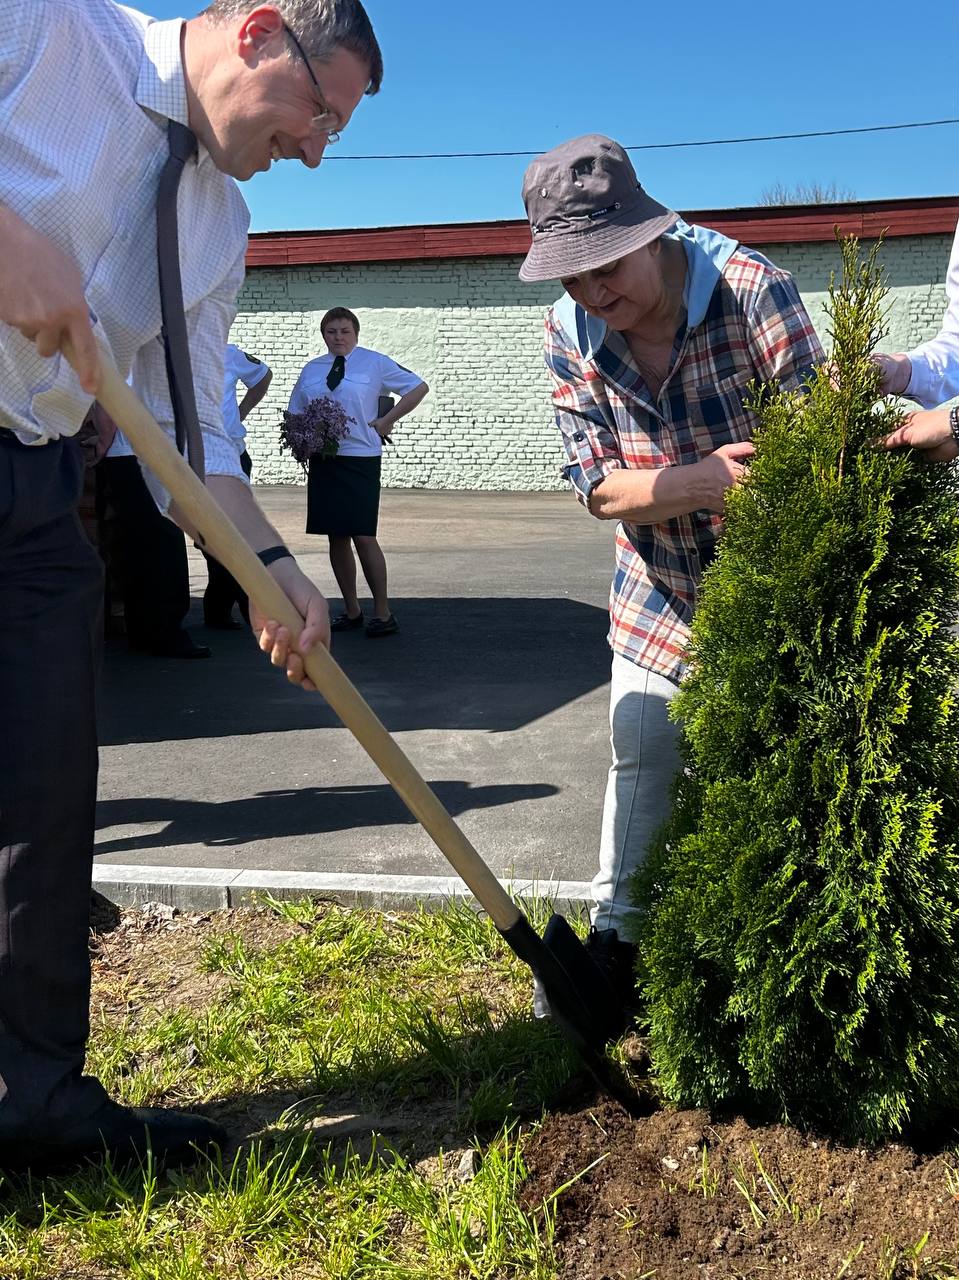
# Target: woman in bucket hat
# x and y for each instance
(652, 349)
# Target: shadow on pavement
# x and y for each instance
(278, 814)
(494, 663)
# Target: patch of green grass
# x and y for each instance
(477, 1229)
(420, 1015)
(950, 1164)
(354, 1001)
(911, 1262)
(298, 1212)
(707, 1179)
(765, 1197)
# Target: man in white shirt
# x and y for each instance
(90, 92)
(929, 374)
(222, 589)
(343, 492)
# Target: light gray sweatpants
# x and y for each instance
(645, 747)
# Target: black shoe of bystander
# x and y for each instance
(343, 622)
(221, 622)
(382, 627)
(179, 645)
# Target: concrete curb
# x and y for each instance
(214, 888)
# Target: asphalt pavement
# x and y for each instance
(217, 777)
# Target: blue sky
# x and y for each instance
(524, 75)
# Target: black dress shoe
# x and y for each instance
(125, 1134)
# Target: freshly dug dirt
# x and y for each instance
(676, 1196)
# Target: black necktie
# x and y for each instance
(178, 368)
(336, 373)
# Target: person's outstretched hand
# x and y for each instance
(896, 373)
(929, 432)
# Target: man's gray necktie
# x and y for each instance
(183, 145)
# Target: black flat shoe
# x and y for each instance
(343, 622)
(382, 627)
(125, 1134)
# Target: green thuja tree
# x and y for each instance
(800, 939)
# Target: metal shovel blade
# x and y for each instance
(581, 998)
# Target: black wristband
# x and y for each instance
(275, 553)
(954, 422)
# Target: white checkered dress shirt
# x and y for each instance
(86, 90)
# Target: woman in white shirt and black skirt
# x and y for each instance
(343, 491)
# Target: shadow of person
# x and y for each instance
(452, 1086)
(287, 813)
(104, 915)
(457, 663)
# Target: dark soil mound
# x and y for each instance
(677, 1195)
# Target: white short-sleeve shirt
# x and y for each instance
(369, 375)
(238, 367)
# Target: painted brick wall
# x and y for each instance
(474, 332)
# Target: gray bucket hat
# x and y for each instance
(586, 208)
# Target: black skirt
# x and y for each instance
(343, 496)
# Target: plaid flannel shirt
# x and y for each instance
(749, 325)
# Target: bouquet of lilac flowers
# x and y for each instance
(318, 430)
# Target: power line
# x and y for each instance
(654, 146)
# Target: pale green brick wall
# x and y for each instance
(474, 332)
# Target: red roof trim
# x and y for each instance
(932, 215)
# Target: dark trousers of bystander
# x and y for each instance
(148, 556)
(51, 591)
(222, 589)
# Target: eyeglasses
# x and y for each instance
(327, 121)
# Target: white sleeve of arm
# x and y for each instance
(935, 364)
(253, 372)
(396, 378)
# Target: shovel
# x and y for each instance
(581, 997)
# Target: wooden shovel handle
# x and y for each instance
(217, 534)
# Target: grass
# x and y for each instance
(376, 1005)
(419, 1024)
(903, 1263)
(361, 1062)
(765, 1197)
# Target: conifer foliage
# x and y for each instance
(800, 946)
